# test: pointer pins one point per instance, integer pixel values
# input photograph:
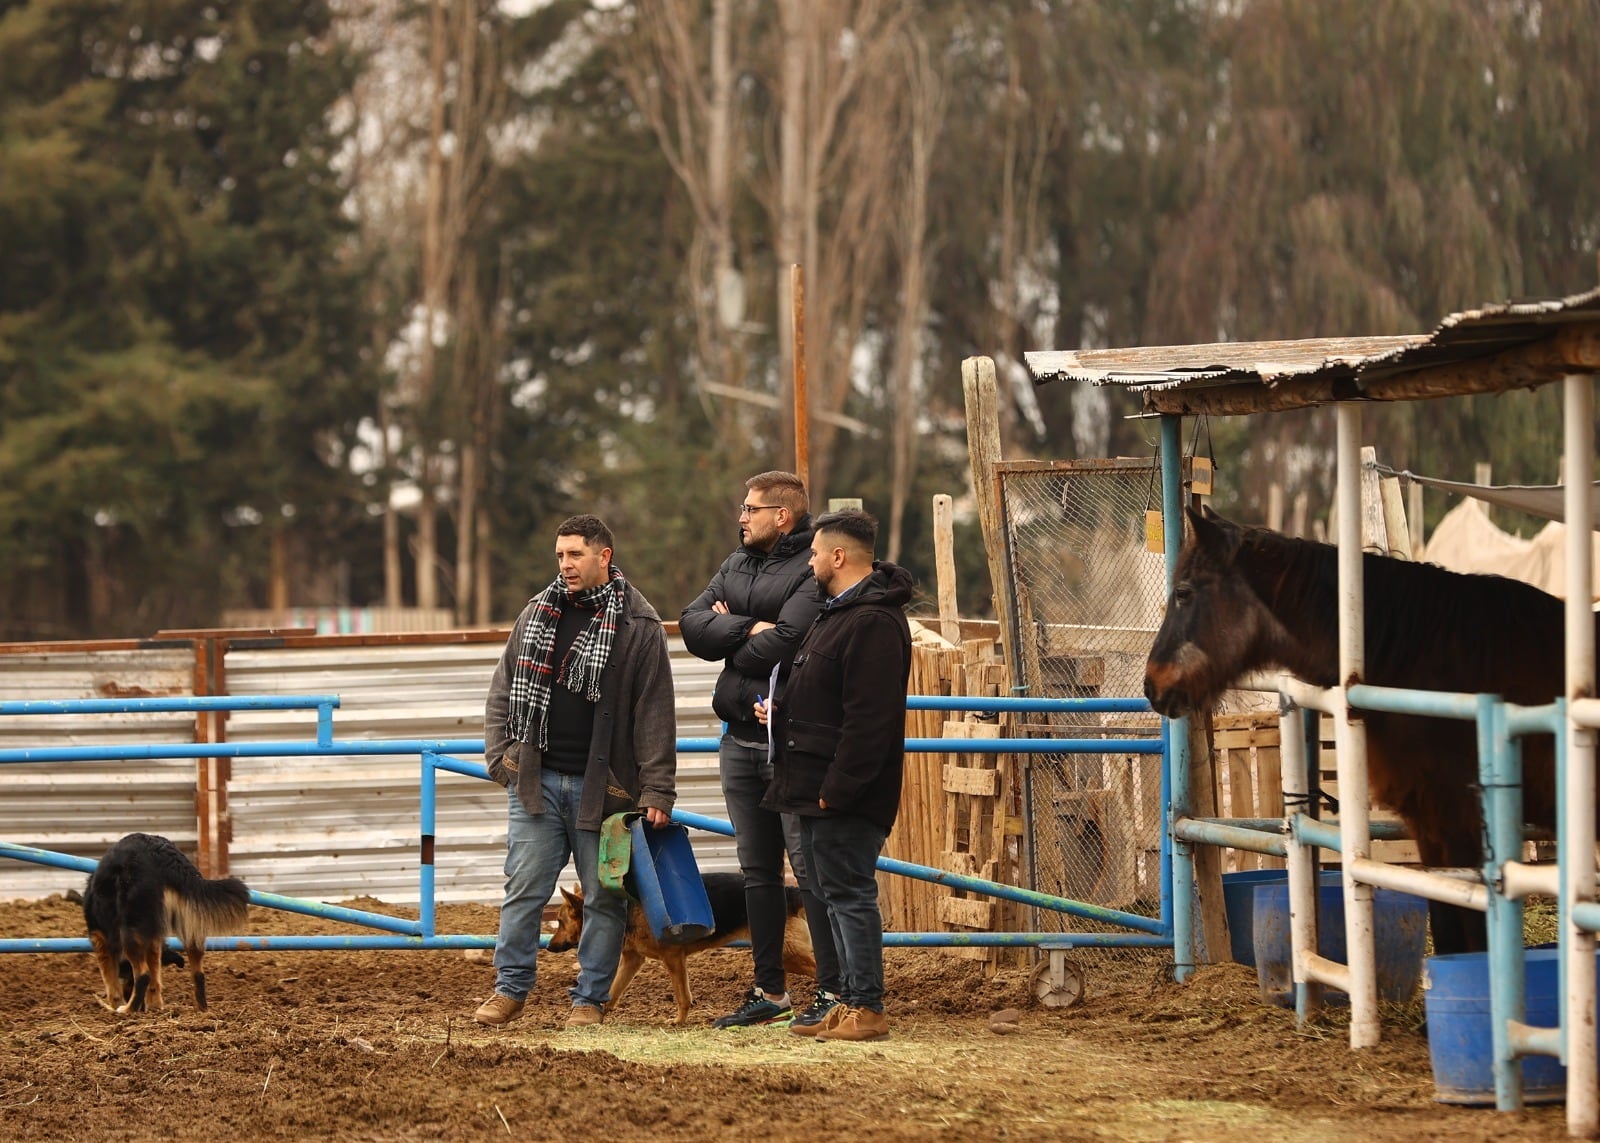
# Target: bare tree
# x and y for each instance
(925, 109)
(682, 78)
(467, 96)
(833, 69)
(833, 205)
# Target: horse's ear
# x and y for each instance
(1214, 534)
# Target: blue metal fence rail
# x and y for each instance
(436, 755)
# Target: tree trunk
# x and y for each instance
(791, 184)
(483, 612)
(427, 547)
(926, 112)
(434, 278)
(278, 586)
(466, 531)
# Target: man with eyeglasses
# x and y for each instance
(751, 616)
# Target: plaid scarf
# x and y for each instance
(580, 670)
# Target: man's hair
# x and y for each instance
(784, 488)
(591, 528)
(855, 525)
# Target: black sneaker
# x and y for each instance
(815, 1015)
(756, 1009)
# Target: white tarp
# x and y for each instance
(1542, 500)
(1466, 540)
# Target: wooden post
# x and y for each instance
(983, 452)
(944, 564)
(802, 421)
(1394, 518)
(1374, 533)
(1275, 506)
(1414, 517)
(1212, 927)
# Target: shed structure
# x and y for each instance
(1494, 348)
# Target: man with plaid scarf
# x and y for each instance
(579, 725)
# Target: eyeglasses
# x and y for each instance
(752, 509)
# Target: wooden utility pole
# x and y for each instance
(983, 452)
(802, 422)
(944, 565)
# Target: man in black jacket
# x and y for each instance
(839, 726)
(751, 616)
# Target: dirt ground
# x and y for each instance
(355, 1046)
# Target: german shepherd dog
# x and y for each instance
(726, 894)
(144, 890)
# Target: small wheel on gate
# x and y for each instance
(1058, 981)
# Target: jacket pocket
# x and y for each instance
(812, 738)
(504, 768)
(617, 798)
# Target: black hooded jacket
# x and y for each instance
(840, 720)
(773, 586)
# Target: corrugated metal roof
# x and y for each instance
(1510, 345)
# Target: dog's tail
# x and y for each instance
(197, 907)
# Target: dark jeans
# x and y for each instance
(760, 838)
(842, 852)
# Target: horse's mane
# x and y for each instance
(1426, 626)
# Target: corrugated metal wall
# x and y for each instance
(82, 807)
(331, 829)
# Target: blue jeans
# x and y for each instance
(760, 838)
(537, 849)
(842, 851)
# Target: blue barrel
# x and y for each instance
(1238, 900)
(668, 882)
(1400, 930)
(1461, 1036)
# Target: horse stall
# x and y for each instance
(1388, 718)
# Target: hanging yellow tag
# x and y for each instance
(1200, 475)
(1155, 532)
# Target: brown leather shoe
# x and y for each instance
(832, 1012)
(499, 1009)
(584, 1016)
(857, 1024)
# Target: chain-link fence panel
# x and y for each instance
(1087, 596)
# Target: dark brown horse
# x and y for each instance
(1249, 599)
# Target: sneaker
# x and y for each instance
(499, 1009)
(756, 1009)
(821, 1013)
(584, 1016)
(858, 1024)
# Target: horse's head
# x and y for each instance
(1210, 634)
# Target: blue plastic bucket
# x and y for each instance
(668, 882)
(1400, 930)
(1460, 1034)
(1238, 900)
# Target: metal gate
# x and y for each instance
(1087, 595)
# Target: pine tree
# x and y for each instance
(181, 331)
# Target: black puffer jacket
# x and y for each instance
(773, 586)
(840, 721)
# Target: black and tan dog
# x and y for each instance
(143, 891)
(725, 891)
